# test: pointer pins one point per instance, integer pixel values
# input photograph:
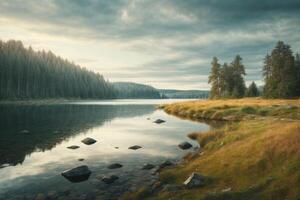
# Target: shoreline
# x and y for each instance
(243, 159)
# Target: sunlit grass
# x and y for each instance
(256, 156)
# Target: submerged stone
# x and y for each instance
(110, 179)
(77, 174)
(148, 166)
(88, 141)
(115, 166)
(185, 145)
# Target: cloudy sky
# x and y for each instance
(164, 43)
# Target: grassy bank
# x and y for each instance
(255, 157)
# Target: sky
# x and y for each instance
(163, 43)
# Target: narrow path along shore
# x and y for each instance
(254, 156)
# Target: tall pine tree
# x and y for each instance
(214, 79)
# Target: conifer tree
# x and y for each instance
(214, 79)
(252, 90)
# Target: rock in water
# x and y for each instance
(148, 166)
(135, 147)
(77, 174)
(185, 145)
(195, 180)
(159, 121)
(81, 159)
(88, 141)
(109, 179)
(73, 147)
(115, 166)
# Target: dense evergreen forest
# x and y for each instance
(281, 74)
(184, 94)
(29, 74)
(127, 90)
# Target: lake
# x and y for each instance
(31, 163)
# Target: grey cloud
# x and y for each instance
(191, 28)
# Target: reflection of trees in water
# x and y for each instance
(50, 125)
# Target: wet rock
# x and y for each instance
(110, 179)
(77, 174)
(185, 145)
(81, 159)
(172, 188)
(148, 166)
(88, 141)
(195, 180)
(115, 166)
(159, 121)
(116, 147)
(25, 131)
(73, 147)
(135, 147)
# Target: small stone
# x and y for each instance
(81, 159)
(88, 141)
(73, 147)
(116, 147)
(115, 166)
(135, 147)
(159, 121)
(77, 174)
(148, 166)
(110, 179)
(195, 180)
(185, 145)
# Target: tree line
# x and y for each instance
(281, 74)
(29, 74)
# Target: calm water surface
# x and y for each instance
(31, 163)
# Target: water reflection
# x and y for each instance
(50, 125)
(39, 157)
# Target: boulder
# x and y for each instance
(115, 166)
(195, 180)
(88, 141)
(159, 121)
(185, 145)
(135, 147)
(77, 174)
(148, 166)
(110, 179)
(73, 147)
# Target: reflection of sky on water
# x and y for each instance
(159, 143)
